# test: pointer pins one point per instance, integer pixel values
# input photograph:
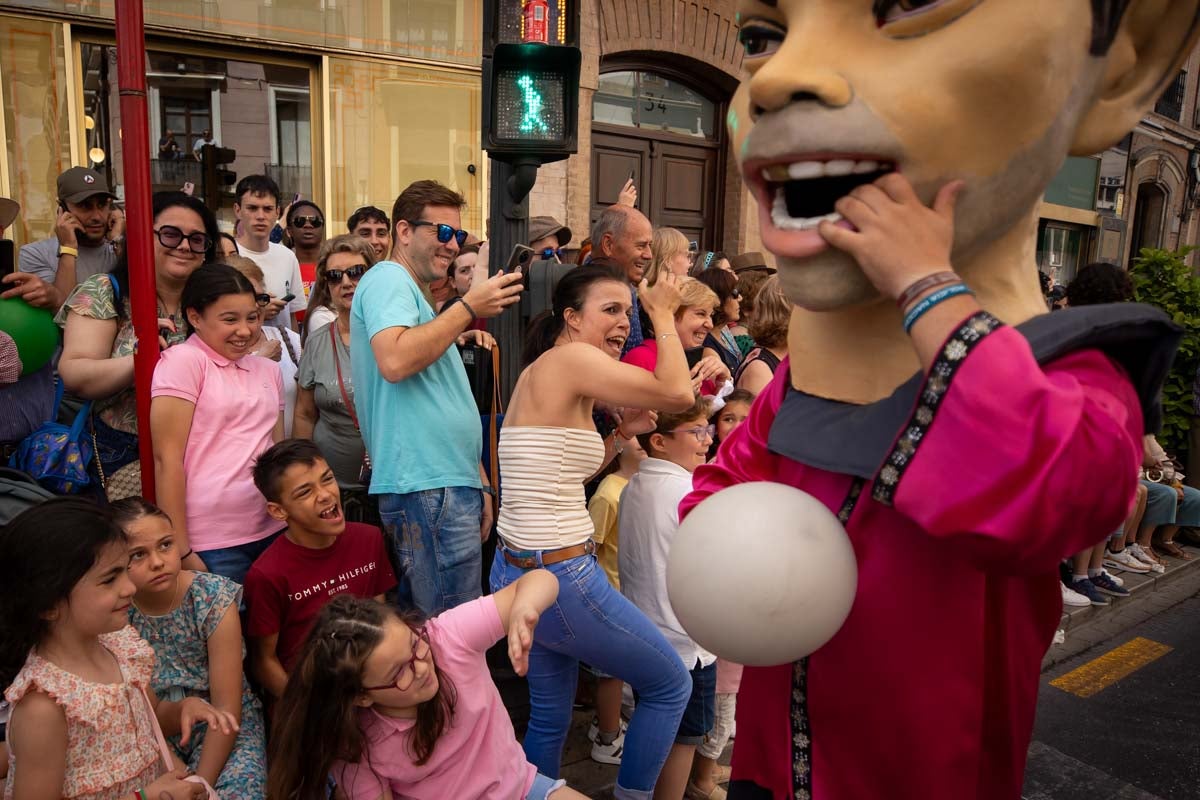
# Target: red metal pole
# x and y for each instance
(135, 128)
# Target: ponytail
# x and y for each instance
(540, 335)
(569, 293)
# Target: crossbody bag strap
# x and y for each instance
(337, 363)
(496, 409)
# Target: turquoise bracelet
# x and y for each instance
(922, 308)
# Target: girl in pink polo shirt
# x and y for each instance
(392, 709)
(214, 410)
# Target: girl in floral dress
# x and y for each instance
(191, 621)
(84, 718)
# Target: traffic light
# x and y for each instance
(216, 177)
(531, 64)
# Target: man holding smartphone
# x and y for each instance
(53, 267)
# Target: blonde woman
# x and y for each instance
(669, 253)
(693, 323)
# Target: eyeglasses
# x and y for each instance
(444, 232)
(548, 253)
(408, 672)
(336, 275)
(263, 299)
(307, 222)
(171, 237)
(701, 432)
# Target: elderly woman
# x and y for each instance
(325, 409)
(693, 323)
(99, 341)
(769, 328)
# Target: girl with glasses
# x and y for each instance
(99, 340)
(393, 708)
(325, 403)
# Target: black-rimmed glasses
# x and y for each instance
(262, 299)
(171, 237)
(408, 672)
(336, 275)
(444, 232)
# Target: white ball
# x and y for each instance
(761, 574)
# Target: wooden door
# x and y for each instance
(676, 181)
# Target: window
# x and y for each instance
(653, 102)
(1171, 103)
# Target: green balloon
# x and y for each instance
(32, 329)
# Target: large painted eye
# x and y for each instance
(904, 19)
(760, 38)
(889, 10)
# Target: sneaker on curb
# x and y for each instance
(1073, 598)
(609, 753)
(1088, 589)
(1106, 585)
(1124, 560)
(1137, 552)
(1112, 577)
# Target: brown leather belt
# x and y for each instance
(548, 556)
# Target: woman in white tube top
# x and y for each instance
(548, 448)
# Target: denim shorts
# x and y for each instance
(700, 714)
(543, 786)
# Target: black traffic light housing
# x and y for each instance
(530, 90)
(216, 177)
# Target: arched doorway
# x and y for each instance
(652, 125)
(1148, 217)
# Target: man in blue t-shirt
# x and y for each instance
(419, 419)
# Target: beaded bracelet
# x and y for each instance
(922, 308)
(925, 284)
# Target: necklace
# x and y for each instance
(174, 601)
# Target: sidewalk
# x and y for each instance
(1149, 594)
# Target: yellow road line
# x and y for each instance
(1100, 673)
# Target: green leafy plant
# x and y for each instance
(1163, 278)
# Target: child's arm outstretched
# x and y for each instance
(520, 605)
(225, 685)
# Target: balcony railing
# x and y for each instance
(292, 179)
(175, 173)
(1170, 105)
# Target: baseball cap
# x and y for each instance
(8, 212)
(541, 227)
(79, 183)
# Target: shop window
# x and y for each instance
(653, 102)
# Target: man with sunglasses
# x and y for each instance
(547, 237)
(415, 407)
(79, 248)
(257, 209)
(305, 224)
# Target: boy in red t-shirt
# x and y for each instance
(319, 556)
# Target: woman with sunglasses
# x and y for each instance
(281, 345)
(325, 409)
(214, 409)
(98, 336)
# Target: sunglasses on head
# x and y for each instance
(171, 237)
(336, 275)
(444, 232)
(307, 222)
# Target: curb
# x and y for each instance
(1149, 594)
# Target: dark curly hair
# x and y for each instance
(1100, 283)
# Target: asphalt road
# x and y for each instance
(1122, 721)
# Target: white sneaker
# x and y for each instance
(1124, 560)
(609, 753)
(1072, 597)
(1140, 554)
(594, 728)
(1112, 577)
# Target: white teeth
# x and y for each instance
(865, 167)
(783, 221)
(806, 170)
(839, 168)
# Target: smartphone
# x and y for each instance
(295, 198)
(631, 174)
(188, 188)
(520, 258)
(8, 258)
(287, 298)
(62, 206)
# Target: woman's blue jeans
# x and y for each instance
(594, 623)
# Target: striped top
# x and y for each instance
(542, 470)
